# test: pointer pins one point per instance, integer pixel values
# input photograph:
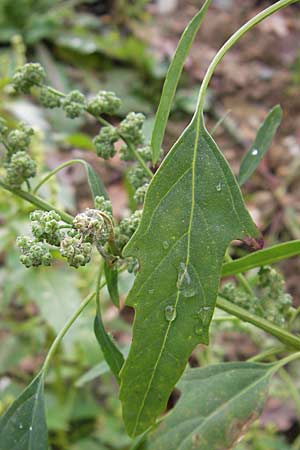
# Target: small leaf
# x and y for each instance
(111, 353)
(95, 183)
(216, 407)
(193, 210)
(261, 258)
(111, 276)
(23, 426)
(172, 80)
(261, 144)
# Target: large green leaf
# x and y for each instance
(217, 405)
(261, 144)
(172, 79)
(193, 210)
(23, 426)
(263, 257)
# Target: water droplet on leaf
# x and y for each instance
(166, 245)
(30, 428)
(254, 152)
(21, 426)
(185, 282)
(219, 187)
(198, 330)
(170, 313)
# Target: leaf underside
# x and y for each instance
(193, 210)
(216, 407)
(23, 426)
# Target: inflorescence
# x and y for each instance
(95, 226)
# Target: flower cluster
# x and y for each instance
(104, 142)
(127, 227)
(75, 242)
(270, 301)
(104, 103)
(33, 252)
(74, 104)
(18, 163)
(28, 76)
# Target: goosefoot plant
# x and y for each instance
(177, 247)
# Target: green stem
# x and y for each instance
(131, 148)
(37, 201)
(54, 171)
(64, 330)
(285, 361)
(242, 280)
(282, 335)
(231, 41)
(267, 353)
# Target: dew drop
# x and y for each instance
(21, 426)
(198, 330)
(170, 313)
(166, 245)
(254, 152)
(219, 187)
(186, 285)
(30, 428)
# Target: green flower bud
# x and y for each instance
(49, 99)
(33, 253)
(104, 103)
(103, 205)
(127, 227)
(132, 265)
(26, 77)
(137, 176)
(92, 226)
(3, 127)
(78, 253)
(20, 168)
(45, 225)
(126, 154)
(104, 142)
(19, 139)
(146, 153)
(74, 104)
(131, 128)
(140, 193)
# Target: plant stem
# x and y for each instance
(282, 335)
(267, 353)
(37, 201)
(54, 171)
(243, 281)
(64, 330)
(231, 41)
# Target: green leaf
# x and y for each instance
(261, 144)
(111, 276)
(111, 353)
(263, 257)
(95, 183)
(216, 407)
(172, 79)
(193, 210)
(23, 426)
